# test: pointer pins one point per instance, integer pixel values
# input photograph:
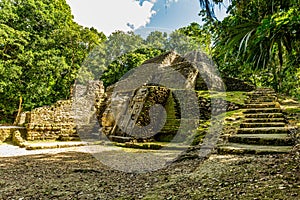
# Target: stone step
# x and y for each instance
(264, 120)
(262, 110)
(120, 139)
(265, 89)
(262, 94)
(88, 132)
(264, 115)
(267, 124)
(261, 100)
(264, 130)
(262, 139)
(259, 105)
(153, 145)
(268, 100)
(261, 97)
(235, 148)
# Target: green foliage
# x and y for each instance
(108, 55)
(181, 43)
(207, 7)
(157, 40)
(41, 50)
(126, 62)
(259, 41)
(119, 43)
(122, 51)
(199, 35)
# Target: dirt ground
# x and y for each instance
(74, 175)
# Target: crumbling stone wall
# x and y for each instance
(219, 106)
(88, 105)
(51, 122)
(61, 120)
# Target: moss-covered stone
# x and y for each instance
(234, 148)
(262, 139)
(198, 137)
(262, 124)
(264, 130)
(17, 139)
(262, 110)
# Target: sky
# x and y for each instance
(141, 16)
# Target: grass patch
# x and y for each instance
(233, 113)
(292, 109)
(237, 97)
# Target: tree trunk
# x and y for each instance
(280, 56)
(17, 120)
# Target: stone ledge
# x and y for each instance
(53, 145)
(234, 148)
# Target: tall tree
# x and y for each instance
(157, 39)
(41, 49)
(126, 62)
(100, 59)
(260, 36)
(120, 42)
(199, 35)
(181, 43)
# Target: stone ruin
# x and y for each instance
(125, 116)
(124, 112)
(61, 120)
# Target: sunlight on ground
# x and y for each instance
(224, 158)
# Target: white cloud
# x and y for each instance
(111, 15)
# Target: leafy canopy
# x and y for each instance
(259, 41)
(41, 50)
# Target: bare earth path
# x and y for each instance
(7, 150)
(75, 175)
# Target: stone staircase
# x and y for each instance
(263, 130)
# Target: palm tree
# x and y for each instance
(262, 33)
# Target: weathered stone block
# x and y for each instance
(5, 134)
(17, 138)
